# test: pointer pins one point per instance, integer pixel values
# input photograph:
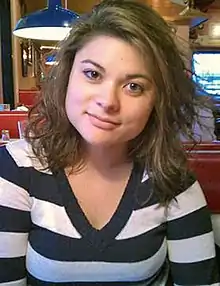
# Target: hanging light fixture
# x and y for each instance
(52, 23)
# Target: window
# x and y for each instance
(206, 66)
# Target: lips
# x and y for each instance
(102, 122)
(103, 119)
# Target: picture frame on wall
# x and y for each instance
(27, 58)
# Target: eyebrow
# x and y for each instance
(127, 76)
(87, 61)
(137, 75)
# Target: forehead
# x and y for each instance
(113, 52)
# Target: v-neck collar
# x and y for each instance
(120, 217)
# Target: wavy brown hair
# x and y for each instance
(57, 142)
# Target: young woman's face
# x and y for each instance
(110, 94)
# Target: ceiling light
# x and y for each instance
(52, 23)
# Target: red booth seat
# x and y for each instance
(28, 97)
(9, 120)
(206, 167)
(205, 162)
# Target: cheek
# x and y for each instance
(74, 98)
(72, 105)
(74, 93)
(139, 115)
(139, 122)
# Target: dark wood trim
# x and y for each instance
(205, 48)
(6, 52)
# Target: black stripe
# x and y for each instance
(217, 248)
(63, 248)
(186, 182)
(33, 281)
(13, 220)
(44, 187)
(198, 273)
(193, 224)
(12, 269)
(145, 195)
(138, 248)
(10, 171)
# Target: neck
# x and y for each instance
(106, 158)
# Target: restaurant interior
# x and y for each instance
(26, 58)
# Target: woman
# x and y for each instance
(99, 193)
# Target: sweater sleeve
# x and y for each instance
(15, 205)
(190, 240)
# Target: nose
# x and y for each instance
(109, 99)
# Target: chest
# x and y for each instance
(130, 246)
(98, 197)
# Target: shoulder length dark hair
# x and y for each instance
(56, 141)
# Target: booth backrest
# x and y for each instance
(206, 166)
(28, 97)
(204, 161)
(9, 120)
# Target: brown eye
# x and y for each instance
(92, 74)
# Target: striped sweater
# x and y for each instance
(45, 238)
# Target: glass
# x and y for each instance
(21, 128)
(5, 135)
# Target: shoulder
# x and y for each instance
(14, 177)
(22, 155)
(188, 196)
(11, 171)
(190, 199)
(17, 158)
(18, 151)
(18, 165)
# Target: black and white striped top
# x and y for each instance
(45, 237)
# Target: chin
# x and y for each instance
(101, 138)
(92, 136)
(99, 142)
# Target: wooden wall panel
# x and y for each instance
(81, 6)
(164, 7)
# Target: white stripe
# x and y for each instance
(145, 176)
(22, 282)
(20, 152)
(93, 271)
(142, 221)
(13, 244)
(193, 249)
(23, 155)
(13, 196)
(216, 227)
(187, 202)
(53, 218)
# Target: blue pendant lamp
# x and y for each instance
(52, 23)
